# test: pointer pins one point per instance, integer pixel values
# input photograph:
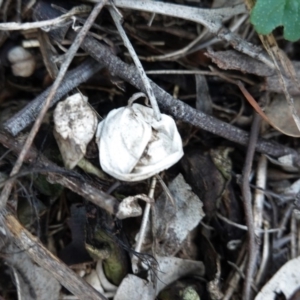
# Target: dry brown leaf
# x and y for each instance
(280, 115)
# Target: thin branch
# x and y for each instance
(210, 18)
(285, 219)
(139, 67)
(64, 67)
(190, 47)
(142, 232)
(265, 255)
(252, 248)
(50, 24)
(181, 72)
(243, 227)
(177, 108)
(145, 216)
(294, 234)
(232, 286)
(259, 196)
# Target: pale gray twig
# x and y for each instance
(210, 18)
(285, 219)
(259, 196)
(142, 232)
(182, 72)
(17, 283)
(265, 254)
(246, 192)
(232, 286)
(49, 24)
(294, 234)
(244, 227)
(191, 47)
(139, 67)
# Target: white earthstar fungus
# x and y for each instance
(75, 125)
(22, 61)
(134, 146)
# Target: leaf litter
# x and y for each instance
(150, 204)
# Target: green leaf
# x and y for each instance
(291, 21)
(266, 15)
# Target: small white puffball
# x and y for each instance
(133, 146)
(22, 61)
(75, 126)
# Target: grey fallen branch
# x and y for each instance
(72, 79)
(178, 109)
(117, 19)
(233, 60)
(56, 174)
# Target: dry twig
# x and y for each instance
(139, 67)
(252, 248)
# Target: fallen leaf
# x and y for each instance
(279, 114)
(34, 281)
(174, 223)
(285, 162)
(285, 281)
(170, 269)
(75, 125)
(135, 288)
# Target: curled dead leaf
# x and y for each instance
(279, 114)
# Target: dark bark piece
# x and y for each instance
(203, 100)
(75, 252)
(44, 10)
(205, 179)
(233, 60)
